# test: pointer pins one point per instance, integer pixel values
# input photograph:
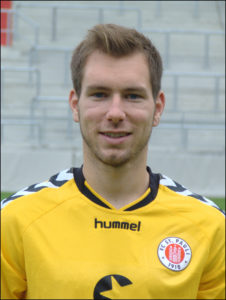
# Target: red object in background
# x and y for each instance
(6, 23)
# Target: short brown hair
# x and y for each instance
(116, 41)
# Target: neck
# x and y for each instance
(118, 185)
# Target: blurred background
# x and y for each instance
(38, 136)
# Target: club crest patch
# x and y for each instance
(174, 253)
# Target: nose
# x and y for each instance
(116, 112)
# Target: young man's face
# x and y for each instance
(116, 109)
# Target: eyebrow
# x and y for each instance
(136, 89)
(96, 87)
(128, 89)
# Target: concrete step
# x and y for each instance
(36, 165)
(63, 133)
(189, 140)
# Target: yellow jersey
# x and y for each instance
(61, 240)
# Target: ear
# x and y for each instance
(159, 107)
(73, 101)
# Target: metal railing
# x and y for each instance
(177, 75)
(39, 123)
(183, 123)
(67, 52)
(9, 28)
(33, 124)
(55, 7)
(220, 6)
(169, 32)
(36, 104)
(14, 30)
(158, 8)
(185, 128)
(29, 70)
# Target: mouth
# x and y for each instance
(115, 134)
(115, 138)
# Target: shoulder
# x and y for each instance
(192, 210)
(33, 201)
(55, 181)
(186, 200)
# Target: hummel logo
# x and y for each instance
(117, 225)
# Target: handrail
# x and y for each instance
(197, 74)
(158, 9)
(179, 74)
(24, 18)
(30, 70)
(185, 127)
(181, 124)
(101, 8)
(18, 69)
(169, 32)
(51, 98)
(220, 6)
(23, 122)
(63, 99)
(190, 125)
(176, 74)
(7, 30)
(66, 50)
(184, 31)
(61, 5)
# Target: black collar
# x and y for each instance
(153, 184)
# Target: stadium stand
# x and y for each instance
(37, 129)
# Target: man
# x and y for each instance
(112, 229)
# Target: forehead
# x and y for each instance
(101, 68)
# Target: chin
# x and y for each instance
(114, 160)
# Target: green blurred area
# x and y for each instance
(219, 201)
(5, 195)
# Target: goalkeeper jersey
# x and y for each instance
(61, 240)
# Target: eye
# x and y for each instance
(133, 96)
(99, 95)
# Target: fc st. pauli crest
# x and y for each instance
(174, 253)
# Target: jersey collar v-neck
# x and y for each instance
(145, 200)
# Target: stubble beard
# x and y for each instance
(114, 160)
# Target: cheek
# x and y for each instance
(144, 117)
(91, 115)
(90, 118)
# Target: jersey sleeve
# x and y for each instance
(13, 279)
(212, 285)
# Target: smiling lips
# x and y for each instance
(115, 134)
(115, 137)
